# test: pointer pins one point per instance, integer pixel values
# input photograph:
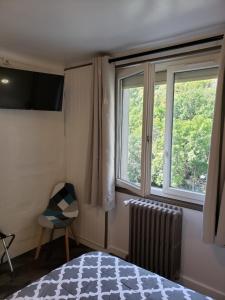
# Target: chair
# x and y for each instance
(60, 214)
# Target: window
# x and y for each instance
(164, 116)
(131, 90)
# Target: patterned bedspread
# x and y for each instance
(97, 275)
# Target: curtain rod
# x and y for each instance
(78, 66)
(173, 47)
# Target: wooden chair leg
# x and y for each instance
(74, 236)
(39, 243)
(49, 252)
(67, 244)
(51, 235)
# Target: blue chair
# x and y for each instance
(60, 214)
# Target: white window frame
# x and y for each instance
(180, 65)
(167, 189)
(122, 74)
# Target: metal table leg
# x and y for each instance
(7, 254)
(3, 236)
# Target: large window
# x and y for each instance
(165, 115)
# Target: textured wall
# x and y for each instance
(31, 161)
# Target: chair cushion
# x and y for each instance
(51, 222)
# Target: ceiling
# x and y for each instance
(64, 31)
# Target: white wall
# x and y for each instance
(38, 149)
(90, 226)
(31, 161)
(202, 265)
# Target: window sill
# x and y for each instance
(179, 196)
(177, 202)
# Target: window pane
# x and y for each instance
(158, 130)
(194, 98)
(131, 131)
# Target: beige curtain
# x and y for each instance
(101, 169)
(214, 208)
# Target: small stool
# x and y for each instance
(2, 238)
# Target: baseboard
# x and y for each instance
(117, 251)
(201, 288)
(20, 247)
(95, 246)
(91, 244)
(98, 247)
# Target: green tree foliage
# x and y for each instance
(158, 135)
(135, 134)
(192, 125)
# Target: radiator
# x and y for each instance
(155, 237)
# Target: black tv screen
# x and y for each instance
(21, 89)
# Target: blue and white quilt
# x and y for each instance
(100, 276)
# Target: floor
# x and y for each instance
(26, 269)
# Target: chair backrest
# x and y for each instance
(64, 198)
(57, 188)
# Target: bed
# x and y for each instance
(97, 275)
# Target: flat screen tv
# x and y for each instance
(21, 89)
